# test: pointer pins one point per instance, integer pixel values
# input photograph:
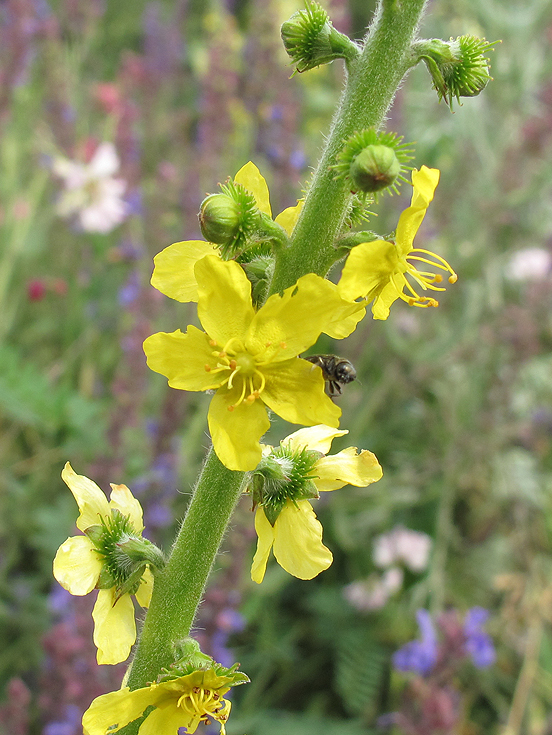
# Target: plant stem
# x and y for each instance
(372, 81)
(178, 588)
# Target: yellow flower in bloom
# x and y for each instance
(79, 563)
(250, 357)
(182, 702)
(296, 534)
(173, 273)
(377, 270)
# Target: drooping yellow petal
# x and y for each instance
(236, 433)
(265, 534)
(115, 708)
(341, 327)
(388, 296)
(182, 359)
(298, 546)
(224, 307)
(295, 391)
(77, 565)
(168, 720)
(367, 269)
(424, 183)
(318, 438)
(91, 500)
(173, 273)
(114, 627)
(292, 322)
(124, 501)
(144, 592)
(347, 468)
(251, 178)
(288, 218)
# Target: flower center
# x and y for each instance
(205, 704)
(425, 279)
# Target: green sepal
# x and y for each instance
(142, 550)
(189, 658)
(95, 534)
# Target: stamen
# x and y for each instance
(233, 364)
(213, 342)
(446, 266)
(207, 368)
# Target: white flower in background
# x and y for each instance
(373, 593)
(402, 545)
(91, 194)
(529, 264)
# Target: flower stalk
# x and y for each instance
(372, 82)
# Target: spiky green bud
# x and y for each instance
(458, 68)
(311, 40)
(371, 162)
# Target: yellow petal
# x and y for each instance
(236, 433)
(342, 327)
(298, 546)
(292, 322)
(288, 218)
(169, 719)
(173, 273)
(224, 306)
(124, 501)
(143, 595)
(91, 500)
(424, 182)
(347, 468)
(115, 708)
(318, 438)
(265, 534)
(114, 627)
(368, 269)
(182, 359)
(250, 177)
(382, 303)
(77, 565)
(295, 391)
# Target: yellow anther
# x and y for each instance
(213, 342)
(207, 368)
(453, 278)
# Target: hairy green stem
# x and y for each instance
(178, 588)
(372, 81)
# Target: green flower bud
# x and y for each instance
(283, 475)
(219, 219)
(458, 67)
(375, 168)
(371, 162)
(311, 40)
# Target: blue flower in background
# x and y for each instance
(479, 644)
(420, 655)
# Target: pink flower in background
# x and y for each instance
(374, 592)
(91, 194)
(529, 264)
(402, 545)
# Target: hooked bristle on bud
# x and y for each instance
(311, 40)
(458, 68)
(228, 217)
(371, 162)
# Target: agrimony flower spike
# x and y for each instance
(113, 557)
(371, 162)
(190, 693)
(311, 40)
(458, 68)
(282, 485)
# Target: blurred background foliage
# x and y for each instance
(456, 402)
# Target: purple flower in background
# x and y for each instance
(479, 644)
(419, 655)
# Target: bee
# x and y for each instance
(337, 372)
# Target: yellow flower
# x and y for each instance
(182, 702)
(296, 535)
(79, 563)
(250, 357)
(173, 273)
(377, 270)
